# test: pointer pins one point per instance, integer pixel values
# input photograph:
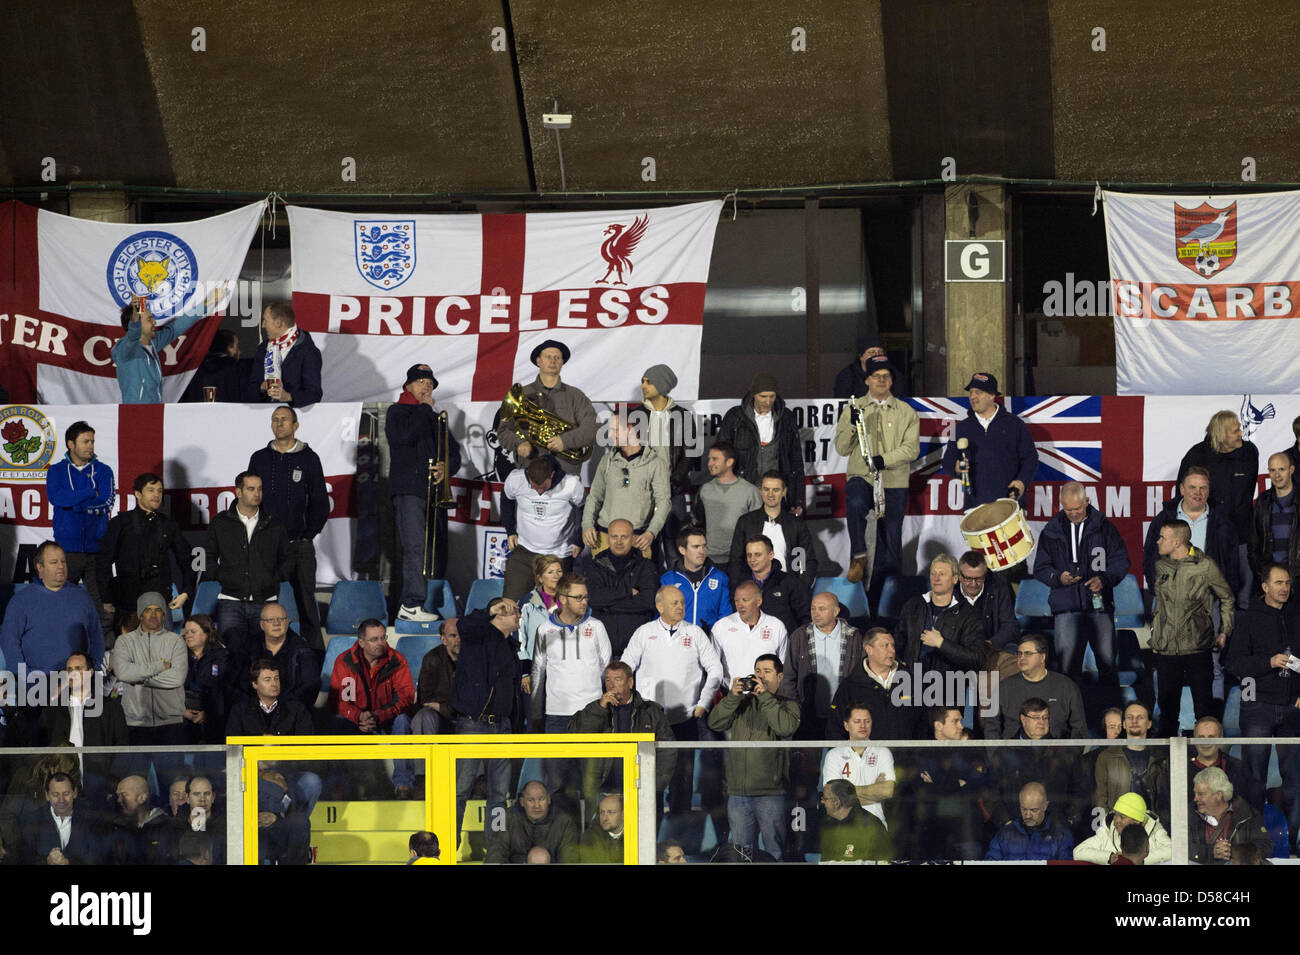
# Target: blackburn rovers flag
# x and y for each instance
(473, 295)
(1206, 292)
(64, 281)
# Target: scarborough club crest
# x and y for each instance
(385, 251)
(1205, 238)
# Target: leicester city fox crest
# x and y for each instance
(385, 251)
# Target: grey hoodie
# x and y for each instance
(152, 694)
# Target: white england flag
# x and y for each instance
(472, 295)
(1206, 291)
(71, 278)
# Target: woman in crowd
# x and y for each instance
(208, 682)
(547, 571)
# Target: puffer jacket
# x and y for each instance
(740, 430)
(1105, 841)
(1184, 597)
(154, 694)
(756, 716)
(893, 431)
(1014, 843)
(386, 691)
(82, 500)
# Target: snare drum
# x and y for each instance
(999, 531)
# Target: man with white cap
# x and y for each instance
(564, 401)
(150, 663)
(999, 458)
(415, 442)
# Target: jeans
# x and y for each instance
(1076, 629)
(239, 623)
(1173, 672)
(559, 772)
(409, 512)
(429, 722)
(306, 792)
(403, 769)
(1272, 719)
(751, 816)
(467, 770)
(303, 582)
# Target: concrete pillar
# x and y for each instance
(101, 205)
(977, 315)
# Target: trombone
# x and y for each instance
(438, 496)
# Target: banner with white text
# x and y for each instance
(1206, 292)
(473, 295)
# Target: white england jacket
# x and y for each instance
(568, 665)
(679, 668)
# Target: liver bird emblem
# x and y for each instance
(618, 247)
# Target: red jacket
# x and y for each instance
(385, 690)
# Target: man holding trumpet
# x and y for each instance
(422, 455)
(880, 436)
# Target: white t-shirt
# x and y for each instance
(777, 536)
(766, 427)
(843, 763)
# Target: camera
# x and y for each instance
(748, 683)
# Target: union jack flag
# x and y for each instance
(1066, 430)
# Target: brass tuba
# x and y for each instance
(536, 425)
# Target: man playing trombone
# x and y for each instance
(423, 455)
(880, 436)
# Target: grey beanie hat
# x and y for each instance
(150, 599)
(662, 377)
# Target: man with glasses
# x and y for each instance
(482, 698)
(1064, 701)
(991, 599)
(569, 660)
(299, 664)
(630, 482)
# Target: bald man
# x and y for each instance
(1275, 527)
(621, 584)
(677, 666)
(1082, 558)
(1037, 835)
(143, 834)
(823, 653)
(603, 843)
(744, 636)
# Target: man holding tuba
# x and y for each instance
(880, 436)
(562, 401)
(423, 454)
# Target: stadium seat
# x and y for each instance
(1129, 611)
(205, 600)
(413, 648)
(897, 591)
(484, 591)
(289, 604)
(1031, 604)
(693, 830)
(531, 770)
(337, 646)
(2, 661)
(440, 599)
(852, 596)
(1275, 822)
(354, 601)
(178, 615)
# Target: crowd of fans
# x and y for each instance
(625, 610)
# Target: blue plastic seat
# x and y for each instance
(354, 601)
(1129, 611)
(483, 591)
(289, 604)
(413, 648)
(337, 646)
(1031, 603)
(851, 595)
(205, 599)
(439, 599)
(1275, 822)
(897, 591)
(531, 771)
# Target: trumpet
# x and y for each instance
(864, 447)
(536, 425)
(438, 496)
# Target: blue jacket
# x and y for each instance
(42, 626)
(414, 435)
(293, 488)
(82, 500)
(1056, 555)
(707, 600)
(139, 375)
(998, 456)
(1013, 843)
(299, 373)
(487, 671)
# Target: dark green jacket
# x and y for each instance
(758, 771)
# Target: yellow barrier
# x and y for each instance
(439, 754)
